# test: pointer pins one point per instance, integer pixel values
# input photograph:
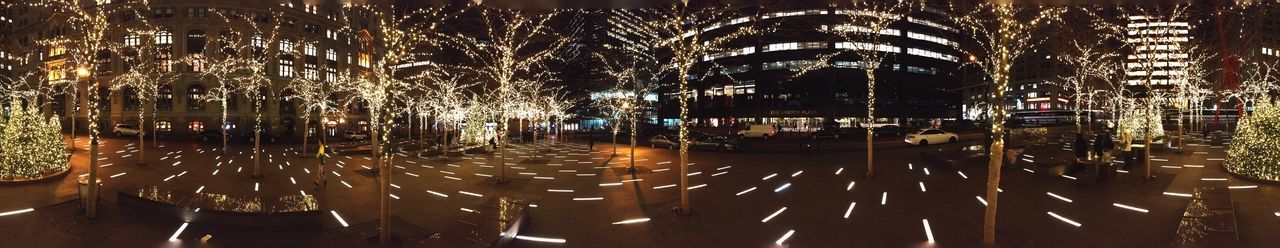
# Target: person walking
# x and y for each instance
(1081, 148)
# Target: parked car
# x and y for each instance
(827, 133)
(887, 130)
(355, 135)
(931, 136)
(126, 130)
(703, 142)
(762, 131)
(210, 135)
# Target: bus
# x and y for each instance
(1038, 118)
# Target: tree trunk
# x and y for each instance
(384, 175)
(632, 154)
(685, 209)
(871, 110)
(306, 126)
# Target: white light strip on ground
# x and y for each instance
(340, 220)
(175, 234)
(631, 221)
(746, 191)
(540, 239)
(1130, 207)
(785, 237)
(927, 231)
(1058, 196)
(783, 187)
(849, 210)
(1068, 221)
(17, 212)
(775, 214)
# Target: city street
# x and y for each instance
(579, 196)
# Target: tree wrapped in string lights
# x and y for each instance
(89, 25)
(679, 29)
(1001, 32)
(144, 77)
(30, 145)
(1253, 150)
(635, 80)
(385, 39)
(862, 29)
(510, 55)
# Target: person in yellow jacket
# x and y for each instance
(1126, 147)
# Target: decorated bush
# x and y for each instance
(31, 146)
(1255, 149)
(1133, 122)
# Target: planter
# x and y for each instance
(48, 175)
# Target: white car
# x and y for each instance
(931, 136)
(353, 135)
(758, 131)
(126, 130)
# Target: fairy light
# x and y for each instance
(1252, 152)
(863, 25)
(679, 29)
(517, 45)
(1001, 32)
(33, 145)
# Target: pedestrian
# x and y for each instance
(1081, 148)
(591, 144)
(1100, 145)
(1126, 148)
(493, 142)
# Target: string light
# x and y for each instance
(1253, 150)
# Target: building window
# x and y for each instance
(164, 50)
(104, 62)
(197, 12)
(131, 102)
(868, 46)
(790, 64)
(195, 97)
(848, 64)
(164, 97)
(735, 69)
(196, 41)
(195, 126)
(931, 54)
(164, 126)
(286, 66)
(364, 60)
(162, 13)
(286, 46)
(132, 40)
(795, 46)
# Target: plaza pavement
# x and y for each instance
(579, 194)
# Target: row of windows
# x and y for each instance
(823, 12)
(786, 46)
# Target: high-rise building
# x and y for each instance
(756, 81)
(1157, 51)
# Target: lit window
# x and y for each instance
(286, 66)
(364, 60)
(931, 54)
(164, 126)
(132, 40)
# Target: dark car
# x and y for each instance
(827, 133)
(211, 135)
(700, 141)
(887, 130)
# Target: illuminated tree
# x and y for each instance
(144, 77)
(511, 55)
(1001, 33)
(30, 145)
(862, 29)
(1252, 153)
(679, 29)
(635, 80)
(89, 26)
(385, 40)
